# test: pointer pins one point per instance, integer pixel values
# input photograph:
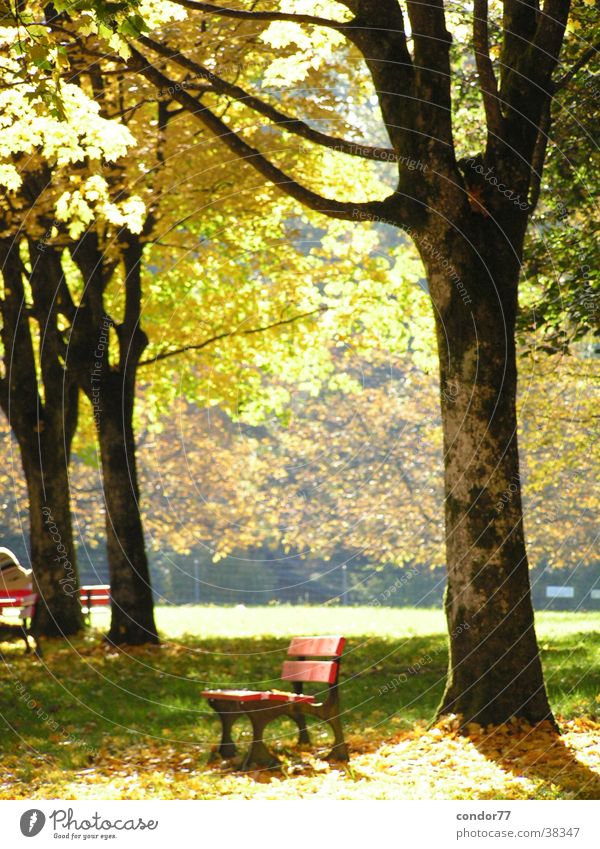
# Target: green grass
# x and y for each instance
(83, 699)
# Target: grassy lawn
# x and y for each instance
(93, 722)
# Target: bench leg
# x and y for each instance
(38, 649)
(25, 632)
(227, 748)
(339, 752)
(259, 755)
(303, 735)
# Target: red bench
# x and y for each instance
(93, 595)
(262, 707)
(13, 598)
(25, 600)
(90, 596)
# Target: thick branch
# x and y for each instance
(549, 36)
(539, 151)
(291, 125)
(519, 19)
(432, 42)
(164, 355)
(487, 79)
(539, 155)
(15, 332)
(243, 15)
(380, 36)
(581, 63)
(532, 43)
(388, 209)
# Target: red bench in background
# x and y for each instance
(13, 598)
(93, 595)
(90, 596)
(262, 707)
(24, 600)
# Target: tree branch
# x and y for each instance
(388, 209)
(163, 355)
(244, 15)
(539, 155)
(581, 62)
(531, 44)
(549, 36)
(432, 75)
(291, 125)
(487, 79)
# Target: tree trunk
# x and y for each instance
(132, 604)
(494, 671)
(44, 428)
(58, 612)
(111, 391)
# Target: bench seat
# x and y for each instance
(257, 696)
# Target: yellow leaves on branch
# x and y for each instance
(82, 205)
(157, 12)
(33, 133)
(315, 46)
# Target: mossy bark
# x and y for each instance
(106, 355)
(494, 671)
(132, 620)
(41, 405)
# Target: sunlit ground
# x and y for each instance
(93, 722)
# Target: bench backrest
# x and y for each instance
(14, 598)
(94, 595)
(313, 671)
(90, 596)
(23, 599)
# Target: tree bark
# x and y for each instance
(44, 429)
(110, 388)
(132, 604)
(53, 558)
(494, 669)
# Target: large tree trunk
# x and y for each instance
(111, 391)
(495, 671)
(132, 604)
(53, 557)
(44, 428)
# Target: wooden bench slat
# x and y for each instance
(256, 696)
(327, 646)
(98, 593)
(323, 671)
(94, 594)
(29, 603)
(13, 598)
